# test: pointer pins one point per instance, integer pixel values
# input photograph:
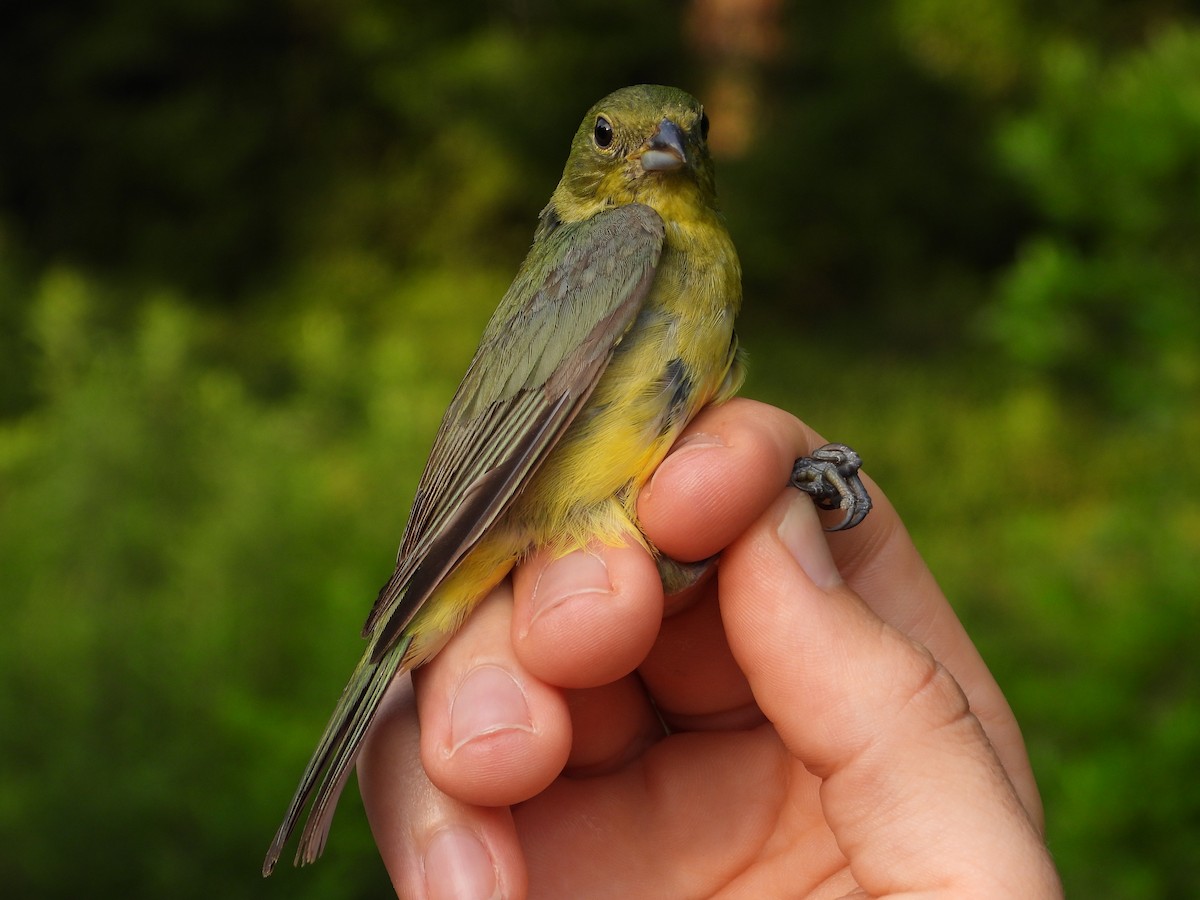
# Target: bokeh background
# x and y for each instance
(246, 250)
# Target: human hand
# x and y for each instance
(833, 730)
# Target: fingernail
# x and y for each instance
(488, 701)
(699, 442)
(579, 572)
(801, 533)
(459, 867)
(698, 439)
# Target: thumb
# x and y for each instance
(912, 790)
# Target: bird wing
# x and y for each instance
(542, 353)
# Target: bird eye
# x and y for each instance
(704, 126)
(603, 133)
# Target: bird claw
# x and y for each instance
(830, 476)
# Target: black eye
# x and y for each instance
(603, 135)
(704, 126)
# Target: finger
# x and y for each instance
(905, 765)
(692, 676)
(888, 572)
(710, 489)
(491, 732)
(584, 621)
(726, 468)
(586, 618)
(611, 725)
(432, 845)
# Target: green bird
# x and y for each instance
(617, 330)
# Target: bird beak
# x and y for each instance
(664, 151)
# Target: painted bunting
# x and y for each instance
(617, 330)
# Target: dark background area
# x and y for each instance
(246, 251)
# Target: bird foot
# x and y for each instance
(830, 476)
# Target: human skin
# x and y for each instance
(833, 731)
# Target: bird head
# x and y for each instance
(641, 144)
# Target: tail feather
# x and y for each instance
(329, 768)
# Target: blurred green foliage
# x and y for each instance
(245, 254)
(1109, 153)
